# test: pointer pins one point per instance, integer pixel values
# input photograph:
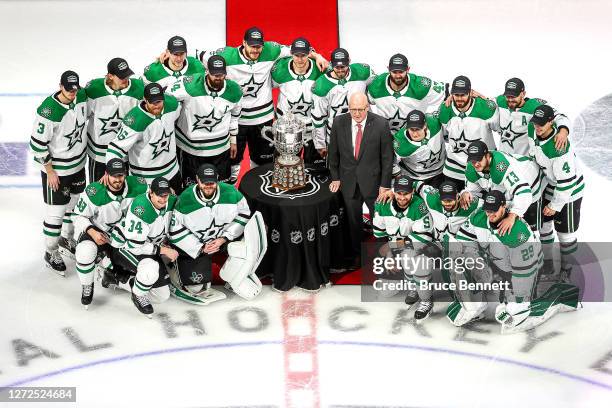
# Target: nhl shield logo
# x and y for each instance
(324, 229)
(311, 188)
(296, 237)
(310, 234)
(275, 236)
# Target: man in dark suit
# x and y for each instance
(360, 161)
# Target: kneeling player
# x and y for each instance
(98, 209)
(208, 216)
(407, 224)
(138, 246)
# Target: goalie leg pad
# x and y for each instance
(244, 258)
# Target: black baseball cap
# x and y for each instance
(254, 36)
(119, 67)
(461, 85)
(416, 119)
(542, 115)
(216, 65)
(340, 57)
(115, 167)
(70, 80)
(448, 190)
(404, 183)
(154, 92)
(177, 44)
(476, 150)
(514, 86)
(493, 200)
(207, 173)
(300, 46)
(160, 186)
(398, 62)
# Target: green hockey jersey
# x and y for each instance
(197, 220)
(561, 168)
(163, 75)
(148, 141)
(57, 134)
(106, 109)
(420, 93)
(424, 159)
(477, 123)
(330, 98)
(209, 119)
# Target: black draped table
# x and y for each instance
(305, 229)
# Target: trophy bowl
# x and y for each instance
(288, 139)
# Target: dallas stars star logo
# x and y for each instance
(211, 232)
(341, 107)
(300, 107)
(110, 124)
(206, 122)
(251, 87)
(509, 135)
(434, 158)
(162, 145)
(76, 136)
(397, 121)
(461, 144)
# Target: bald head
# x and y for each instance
(358, 106)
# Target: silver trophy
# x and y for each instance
(288, 138)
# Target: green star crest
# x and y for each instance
(206, 122)
(162, 144)
(76, 136)
(300, 107)
(110, 124)
(251, 88)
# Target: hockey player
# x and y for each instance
(208, 125)
(397, 92)
(58, 144)
(516, 258)
(99, 208)
(250, 65)
(332, 91)
(207, 217)
(109, 99)
(467, 119)
(563, 197)
(295, 76)
(518, 177)
(515, 111)
(147, 138)
(420, 149)
(406, 223)
(139, 244)
(175, 65)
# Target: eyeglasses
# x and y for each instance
(357, 110)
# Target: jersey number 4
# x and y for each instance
(135, 226)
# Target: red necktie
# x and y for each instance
(358, 140)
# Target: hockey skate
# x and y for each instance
(411, 297)
(423, 311)
(67, 247)
(55, 262)
(143, 304)
(87, 295)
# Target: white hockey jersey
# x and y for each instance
(148, 141)
(197, 220)
(477, 123)
(106, 109)
(209, 119)
(419, 93)
(163, 75)
(424, 159)
(414, 223)
(254, 77)
(331, 96)
(58, 136)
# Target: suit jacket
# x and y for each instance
(372, 169)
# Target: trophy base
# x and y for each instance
(289, 177)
